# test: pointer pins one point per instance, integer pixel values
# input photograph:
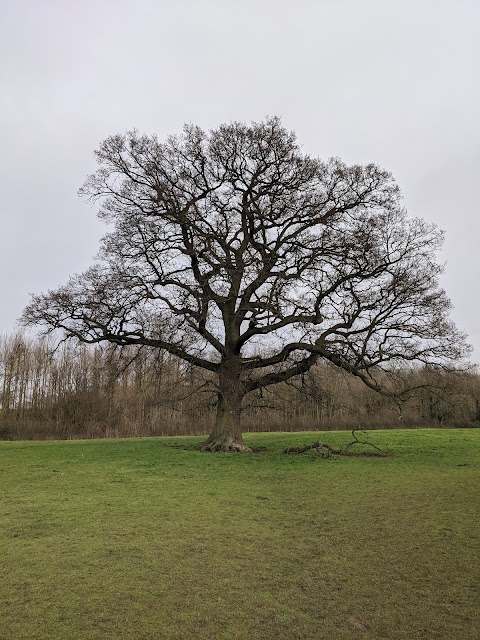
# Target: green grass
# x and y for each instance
(138, 539)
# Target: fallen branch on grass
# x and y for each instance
(325, 450)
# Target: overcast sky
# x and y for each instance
(395, 82)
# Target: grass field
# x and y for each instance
(145, 539)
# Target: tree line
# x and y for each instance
(85, 391)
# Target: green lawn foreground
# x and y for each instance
(144, 539)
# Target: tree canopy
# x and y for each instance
(241, 255)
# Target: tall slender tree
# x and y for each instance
(241, 255)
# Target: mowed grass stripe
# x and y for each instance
(152, 539)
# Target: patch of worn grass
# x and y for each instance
(153, 539)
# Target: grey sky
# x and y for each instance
(394, 82)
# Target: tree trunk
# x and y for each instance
(226, 434)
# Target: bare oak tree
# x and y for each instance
(239, 254)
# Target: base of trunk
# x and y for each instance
(226, 443)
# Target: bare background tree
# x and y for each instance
(88, 391)
(243, 257)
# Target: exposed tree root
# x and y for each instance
(325, 450)
(225, 444)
